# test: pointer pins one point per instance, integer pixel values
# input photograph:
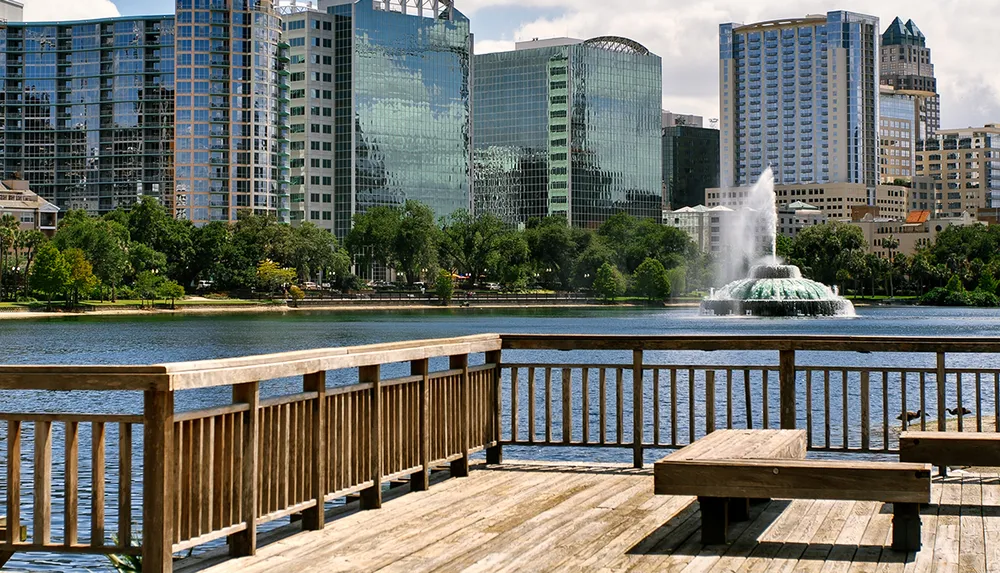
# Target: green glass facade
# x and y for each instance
(87, 110)
(690, 164)
(570, 130)
(398, 91)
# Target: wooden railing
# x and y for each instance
(221, 472)
(362, 416)
(670, 405)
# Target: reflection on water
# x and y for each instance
(171, 338)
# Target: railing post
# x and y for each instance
(313, 518)
(245, 542)
(787, 388)
(460, 467)
(420, 481)
(494, 454)
(637, 422)
(157, 483)
(942, 392)
(371, 498)
(709, 401)
(866, 410)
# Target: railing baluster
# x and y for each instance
(923, 400)
(942, 391)
(865, 412)
(219, 481)
(97, 486)
(71, 477)
(673, 406)
(826, 408)
(567, 411)
(809, 408)
(748, 398)
(656, 406)
(729, 398)
(460, 467)
(787, 389)
(996, 401)
(494, 455)
(604, 405)
(958, 396)
(124, 484)
(513, 404)
(531, 405)
(42, 534)
(421, 479)
(637, 409)
(13, 481)
(548, 405)
(709, 401)
(902, 400)
(585, 418)
(691, 405)
(885, 410)
(845, 403)
(619, 406)
(245, 542)
(979, 402)
(765, 400)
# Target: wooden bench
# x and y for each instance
(945, 449)
(742, 469)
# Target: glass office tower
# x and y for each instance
(380, 108)
(231, 111)
(87, 110)
(569, 128)
(690, 164)
(800, 96)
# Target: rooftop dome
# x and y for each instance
(618, 44)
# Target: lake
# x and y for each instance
(172, 338)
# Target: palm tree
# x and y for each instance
(8, 231)
(890, 244)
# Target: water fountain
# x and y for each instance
(771, 288)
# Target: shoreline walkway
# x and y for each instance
(536, 516)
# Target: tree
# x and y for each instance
(272, 277)
(444, 287)
(511, 261)
(651, 280)
(146, 285)
(8, 236)
(890, 244)
(372, 239)
(296, 293)
(144, 258)
(822, 250)
(472, 245)
(50, 273)
(29, 241)
(609, 283)
(553, 249)
(416, 242)
(169, 289)
(103, 242)
(81, 275)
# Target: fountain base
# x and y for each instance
(776, 291)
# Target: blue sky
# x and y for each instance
(684, 33)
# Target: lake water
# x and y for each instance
(172, 338)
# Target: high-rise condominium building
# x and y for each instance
(87, 114)
(231, 111)
(964, 165)
(185, 108)
(380, 108)
(800, 96)
(569, 128)
(905, 63)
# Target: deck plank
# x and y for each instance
(561, 517)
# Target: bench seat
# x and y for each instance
(945, 449)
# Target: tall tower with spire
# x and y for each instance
(906, 66)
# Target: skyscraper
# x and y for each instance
(231, 111)
(690, 164)
(906, 66)
(800, 96)
(569, 128)
(380, 108)
(87, 117)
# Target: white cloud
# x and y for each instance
(63, 10)
(685, 34)
(490, 46)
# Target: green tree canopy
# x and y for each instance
(651, 280)
(81, 274)
(416, 241)
(50, 273)
(609, 283)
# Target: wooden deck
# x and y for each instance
(533, 516)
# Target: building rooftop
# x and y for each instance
(899, 34)
(16, 195)
(918, 217)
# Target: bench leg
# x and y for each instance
(739, 509)
(714, 520)
(906, 527)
